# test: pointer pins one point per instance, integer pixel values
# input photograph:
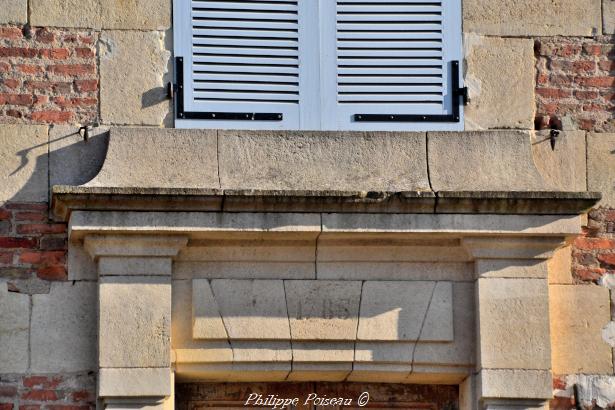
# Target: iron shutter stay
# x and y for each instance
(460, 96)
(177, 91)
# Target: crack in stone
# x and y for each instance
(418, 339)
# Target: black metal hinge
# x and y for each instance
(176, 91)
(460, 96)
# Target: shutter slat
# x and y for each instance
(255, 60)
(388, 71)
(395, 88)
(382, 98)
(372, 54)
(253, 5)
(397, 80)
(382, 62)
(386, 44)
(279, 25)
(243, 33)
(370, 26)
(244, 96)
(414, 31)
(243, 42)
(264, 17)
(245, 69)
(208, 85)
(244, 51)
(230, 77)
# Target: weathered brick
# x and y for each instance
(6, 406)
(52, 116)
(40, 395)
(8, 391)
(47, 382)
(31, 216)
(12, 243)
(607, 259)
(29, 229)
(53, 243)
(594, 243)
(11, 33)
(54, 273)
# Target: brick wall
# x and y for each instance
(48, 392)
(32, 248)
(48, 75)
(594, 252)
(575, 80)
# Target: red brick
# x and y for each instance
(606, 65)
(42, 381)
(74, 102)
(52, 116)
(11, 33)
(52, 243)
(18, 52)
(54, 86)
(27, 206)
(6, 258)
(73, 69)
(30, 68)
(41, 99)
(8, 391)
(84, 52)
(31, 216)
(16, 99)
(55, 272)
(14, 243)
(36, 257)
(14, 113)
(596, 81)
(40, 395)
(25, 229)
(11, 83)
(86, 39)
(608, 258)
(594, 243)
(586, 95)
(68, 407)
(584, 66)
(553, 92)
(54, 53)
(4, 214)
(30, 407)
(589, 274)
(44, 36)
(83, 395)
(4, 67)
(592, 49)
(86, 85)
(6, 406)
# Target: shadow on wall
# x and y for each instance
(34, 162)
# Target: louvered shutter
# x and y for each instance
(394, 65)
(318, 64)
(239, 62)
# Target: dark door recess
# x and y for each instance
(227, 396)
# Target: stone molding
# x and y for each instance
(215, 337)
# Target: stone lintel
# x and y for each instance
(118, 250)
(511, 248)
(215, 225)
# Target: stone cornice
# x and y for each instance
(69, 198)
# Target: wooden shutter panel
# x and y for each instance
(240, 59)
(394, 58)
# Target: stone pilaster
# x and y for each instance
(512, 319)
(134, 346)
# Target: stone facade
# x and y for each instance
(66, 64)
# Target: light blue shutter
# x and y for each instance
(319, 64)
(240, 57)
(393, 58)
